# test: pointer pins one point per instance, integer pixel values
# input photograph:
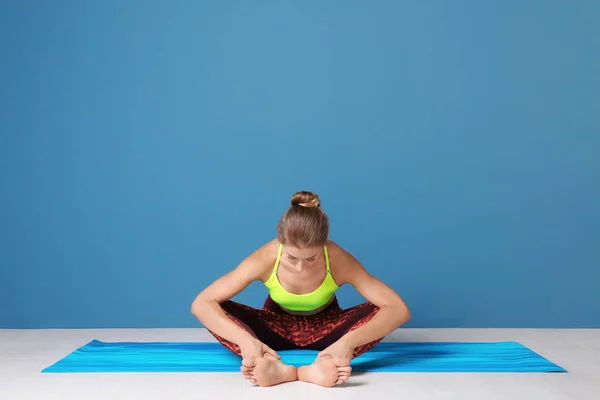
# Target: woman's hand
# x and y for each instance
(338, 350)
(253, 348)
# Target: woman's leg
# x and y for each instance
(329, 327)
(326, 329)
(265, 326)
(270, 330)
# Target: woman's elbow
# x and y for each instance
(407, 314)
(404, 313)
(197, 305)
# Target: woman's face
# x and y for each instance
(301, 259)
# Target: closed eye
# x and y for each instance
(292, 258)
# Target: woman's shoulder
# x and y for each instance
(334, 249)
(264, 257)
(268, 251)
(342, 262)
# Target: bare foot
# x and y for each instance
(268, 371)
(326, 372)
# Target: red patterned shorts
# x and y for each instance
(282, 331)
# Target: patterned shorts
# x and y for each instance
(282, 331)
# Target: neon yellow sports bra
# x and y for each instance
(301, 302)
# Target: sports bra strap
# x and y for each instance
(276, 266)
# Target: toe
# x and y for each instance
(249, 362)
(347, 369)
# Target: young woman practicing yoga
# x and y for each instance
(301, 269)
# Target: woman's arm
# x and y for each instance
(393, 310)
(206, 307)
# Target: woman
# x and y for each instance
(301, 269)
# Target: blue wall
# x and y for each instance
(147, 147)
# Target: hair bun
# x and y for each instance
(306, 199)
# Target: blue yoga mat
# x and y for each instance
(98, 356)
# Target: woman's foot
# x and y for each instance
(326, 371)
(268, 371)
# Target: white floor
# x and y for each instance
(24, 353)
